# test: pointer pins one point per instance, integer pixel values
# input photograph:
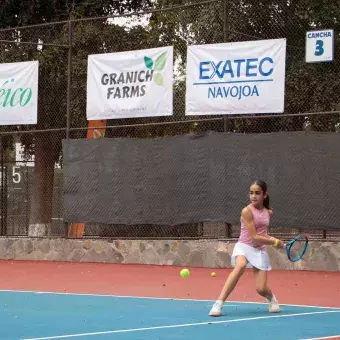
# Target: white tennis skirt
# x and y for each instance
(256, 257)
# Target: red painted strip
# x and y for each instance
(291, 287)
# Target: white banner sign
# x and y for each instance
(130, 84)
(236, 78)
(19, 93)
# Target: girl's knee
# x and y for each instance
(240, 267)
(262, 290)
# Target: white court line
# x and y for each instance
(179, 325)
(325, 337)
(159, 298)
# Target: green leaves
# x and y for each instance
(158, 79)
(157, 66)
(160, 62)
(148, 63)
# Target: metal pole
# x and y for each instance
(2, 188)
(225, 119)
(32, 43)
(224, 20)
(5, 190)
(69, 80)
(3, 198)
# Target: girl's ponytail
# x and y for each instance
(266, 202)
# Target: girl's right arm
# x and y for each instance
(247, 218)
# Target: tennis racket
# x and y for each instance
(297, 247)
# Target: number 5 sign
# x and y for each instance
(319, 46)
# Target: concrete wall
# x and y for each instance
(324, 256)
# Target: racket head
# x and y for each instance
(297, 247)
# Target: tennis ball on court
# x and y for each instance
(185, 273)
(213, 274)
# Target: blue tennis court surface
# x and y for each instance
(29, 315)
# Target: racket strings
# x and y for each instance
(297, 248)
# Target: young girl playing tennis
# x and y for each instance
(250, 250)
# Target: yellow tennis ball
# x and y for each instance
(185, 273)
(213, 274)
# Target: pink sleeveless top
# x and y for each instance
(261, 219)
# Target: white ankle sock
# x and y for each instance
(273, 299)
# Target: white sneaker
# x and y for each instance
(273, 305)
(216, 309)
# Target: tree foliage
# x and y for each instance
(15, 13)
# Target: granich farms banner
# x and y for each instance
(130, 84)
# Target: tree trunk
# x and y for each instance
(42, 189)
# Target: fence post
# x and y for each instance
(2, 186)
(224, 20)
(69, 80)
(4, 198)
(225, 118)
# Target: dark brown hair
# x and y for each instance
(263, 186)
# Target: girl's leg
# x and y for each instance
(234, 276)
(263, 289)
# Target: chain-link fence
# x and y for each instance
(31, 157)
